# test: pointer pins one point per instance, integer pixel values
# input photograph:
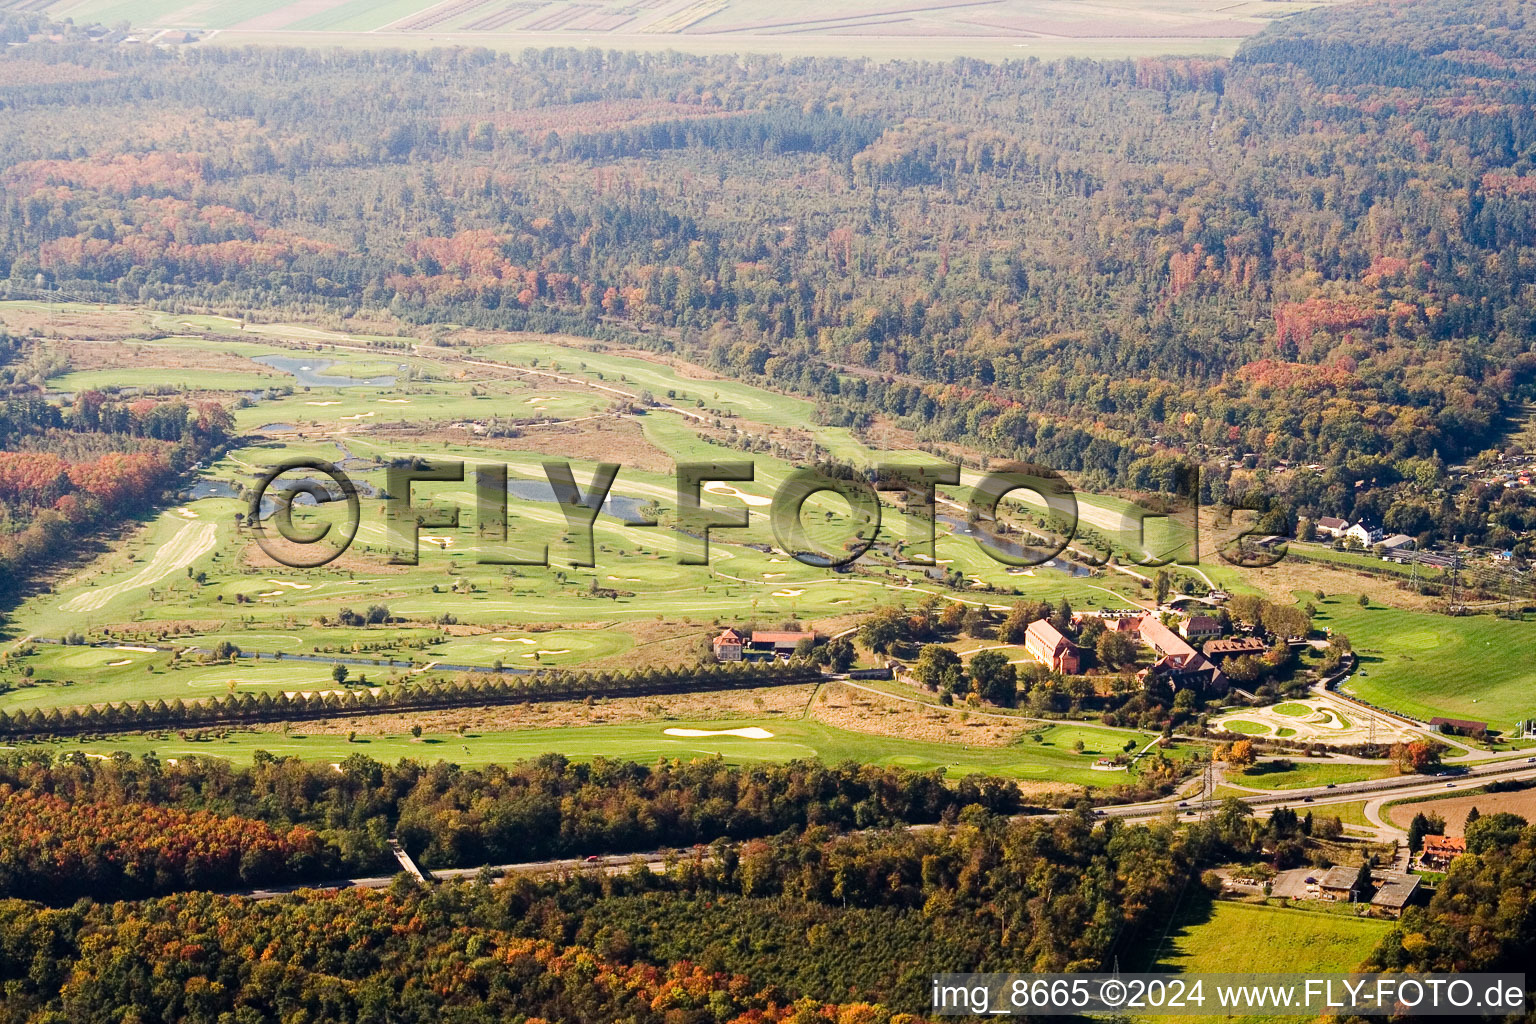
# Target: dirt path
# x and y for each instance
(191, 542)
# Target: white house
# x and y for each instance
(1365, 533)
(1328, 526)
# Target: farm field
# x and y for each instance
(877, 28)
(1221, 937)
(1050, 762)
(1426, 665)
(1454, 809)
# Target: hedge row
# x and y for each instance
(474, 691)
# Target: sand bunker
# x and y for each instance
(512, 640)
(441, 542)
(118, 664)
(290, 583)
(359, 416)
(751, 732)
(788, 593)
(721, 487)
(396, 401)
(322, 403)
(186, 513)
(141, 650)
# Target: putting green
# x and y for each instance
(1245, 727)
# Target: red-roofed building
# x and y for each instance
(761, 644)
(1179, 664)
(1049, 646)
(1199, 628)
(1438, 851)
(728, 645)
(1171, 647)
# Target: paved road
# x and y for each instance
(1376, 791)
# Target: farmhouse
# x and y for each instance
(728, 645)
(1339, 883)
(1049, 646)
(760, 645)
(1328, 526)
(1393, 891)
(1439, 851)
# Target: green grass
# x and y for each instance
(1227, 938)
(1245, 727)
(269, 610)
(1427, 665)
(636, 375)
(1051, 761)
(1306, 774)
(1350, 814)
(1292, 709)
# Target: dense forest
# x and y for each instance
(802, 923)
(66, 473)
(1308, 267)
(990, 893)
(79, 826)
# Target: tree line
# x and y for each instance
(467, 691)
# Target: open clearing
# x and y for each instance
(189, 544)
(194, 578)
(1305, 774)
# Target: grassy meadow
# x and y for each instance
(1425, 664)
(1053, 760)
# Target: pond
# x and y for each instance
(617, 505)
(962, 528)
(308, 372)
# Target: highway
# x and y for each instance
(1397, 787)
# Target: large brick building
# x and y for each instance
(1050, 646)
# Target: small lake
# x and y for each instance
(1003, 544)
(308, 372)
(210, 488)
(618, 506)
